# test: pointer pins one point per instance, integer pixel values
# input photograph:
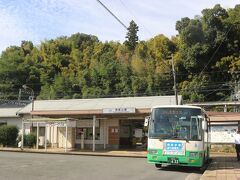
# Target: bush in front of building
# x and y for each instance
(8, 135)
(30, 140)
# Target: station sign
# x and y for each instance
(70, 123)
(119, 110)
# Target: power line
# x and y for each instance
(212, 72)
(112, 14)
(147, 30)
(154, 91)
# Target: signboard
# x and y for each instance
(174, 148)
(41, 124)
(138, 133)
(222, 134)
(58, 124)
(87, 123)
(63, 124)
(119, 110)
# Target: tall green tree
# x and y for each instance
(132, 37)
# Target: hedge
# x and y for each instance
(8, 135)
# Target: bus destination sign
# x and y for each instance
(174, 148)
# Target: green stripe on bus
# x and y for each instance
(157, 157)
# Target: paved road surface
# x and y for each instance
(32, 166)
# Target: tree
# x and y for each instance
(132, 38)
(206, 54)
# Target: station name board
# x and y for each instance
(119, 110)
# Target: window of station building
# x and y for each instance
(88, 133)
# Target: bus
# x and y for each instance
(177, 135)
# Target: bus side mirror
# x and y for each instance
(146, 120)
(204, 125)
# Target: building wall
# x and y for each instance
(52, 135)
(13, 121)
(62, 137)
(27, 126)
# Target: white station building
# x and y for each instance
(103, 123)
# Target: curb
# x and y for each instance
(75, 153)
(204, 175)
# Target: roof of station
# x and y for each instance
(223, 116)
(94, 106)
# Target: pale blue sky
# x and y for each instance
(37, 20)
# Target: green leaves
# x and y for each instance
(8, 135)
(132, 38)
(205, 53)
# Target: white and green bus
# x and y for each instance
(177, 135)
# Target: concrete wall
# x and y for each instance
(62, 137)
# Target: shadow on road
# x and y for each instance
(186, 169)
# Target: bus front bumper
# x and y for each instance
(175, 160)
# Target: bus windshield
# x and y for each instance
(175, 123)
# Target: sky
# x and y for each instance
(39, 20)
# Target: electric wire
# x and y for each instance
(147, 30)
(105, 7)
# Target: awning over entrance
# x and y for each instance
(60, 122)
(44, 119)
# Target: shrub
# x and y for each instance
(30, 139)
(8, 135)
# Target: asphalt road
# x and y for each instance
(32, 166)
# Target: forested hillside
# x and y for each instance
(206, 54)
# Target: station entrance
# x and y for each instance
(132, 134)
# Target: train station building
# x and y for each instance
(102, 123)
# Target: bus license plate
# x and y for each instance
(173, 160)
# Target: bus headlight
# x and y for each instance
(152, 151)
(193, 154)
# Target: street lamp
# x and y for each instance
(31, 98)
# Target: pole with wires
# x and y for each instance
(174, 80)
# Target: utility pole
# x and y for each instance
(174, 80)
(19, 94)
(31, 98)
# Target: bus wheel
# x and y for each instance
(158, 165)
